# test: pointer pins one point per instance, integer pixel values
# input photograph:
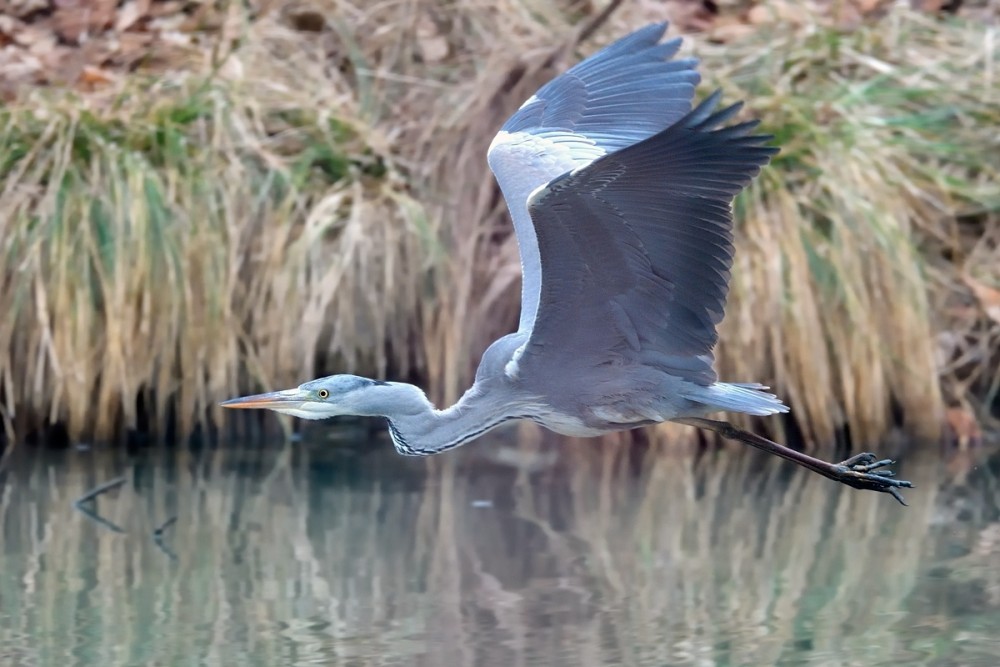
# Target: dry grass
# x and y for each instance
(178, 240)
(883, 152)
(296, 201)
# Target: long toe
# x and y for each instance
(865, 471)
(869, 463)
(862, 459)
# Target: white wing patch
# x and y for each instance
(511, 368)
(544, 156)
(524, 163)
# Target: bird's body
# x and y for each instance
(621, 198)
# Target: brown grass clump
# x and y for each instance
(850, 238)
(308, 197)
(170, 243)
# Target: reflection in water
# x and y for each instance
(581, 554)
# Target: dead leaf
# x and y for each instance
(729, 28)
(167, 8)
(868, 6)
(130, 14)
(63, 65)
(22, 8)
(132, 47)
(846, 16)
(17, 65)
(76, 20)
(762, 14)
(433, 45)
(171, 23)
(10, 27)
(94, 76)
(33, 36)
(989, 297)
(779, 11)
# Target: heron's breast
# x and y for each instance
(564, 424)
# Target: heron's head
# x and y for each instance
(318, 399)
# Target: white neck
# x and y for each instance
(419, 429)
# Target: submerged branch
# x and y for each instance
(87, 503)
(97, 518)
(158, 537)
(91, 495)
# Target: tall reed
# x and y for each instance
(190, 237)
(290, 203)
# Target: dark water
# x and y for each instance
(561, 553)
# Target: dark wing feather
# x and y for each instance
(622, 94)
(618, 96)
(636, 249)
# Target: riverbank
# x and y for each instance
(292, 197)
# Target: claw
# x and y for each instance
(862, 472)
(897, 495)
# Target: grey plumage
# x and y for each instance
(621, 198)
(632, 79)
(637, 248)
(621, 95)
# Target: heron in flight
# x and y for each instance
(621, 196)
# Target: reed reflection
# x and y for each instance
(580, 553)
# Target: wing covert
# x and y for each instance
(636, 248)
(622, 94)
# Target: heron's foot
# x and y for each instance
(866, 471)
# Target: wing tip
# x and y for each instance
(656, 29)
(704, 118)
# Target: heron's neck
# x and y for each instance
(419, 429)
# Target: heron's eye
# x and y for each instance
(323, 393)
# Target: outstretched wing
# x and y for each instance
(624, 93)
(636, 250)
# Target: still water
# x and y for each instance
(552, 553)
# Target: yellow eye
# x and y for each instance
(323, 393)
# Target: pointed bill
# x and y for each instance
(273, 400)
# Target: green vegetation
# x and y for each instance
(162, 248)
(851, 243)
(320, 201)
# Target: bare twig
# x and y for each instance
(87, 503)
(91, 495)
(158, 533)
(158, 537)
(97, 518)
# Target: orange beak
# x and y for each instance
(274, 400)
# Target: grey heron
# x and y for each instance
(621, 197)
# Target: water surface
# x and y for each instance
(559, 553)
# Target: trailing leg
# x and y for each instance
(862, 471)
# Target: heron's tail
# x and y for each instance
(751, 398)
